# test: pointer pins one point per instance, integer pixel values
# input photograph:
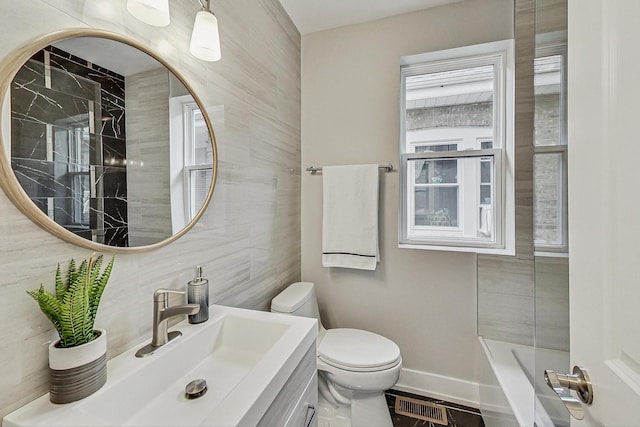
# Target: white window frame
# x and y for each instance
(190, 164)
(181, 110)
(501, 55)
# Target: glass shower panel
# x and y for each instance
(551, 266)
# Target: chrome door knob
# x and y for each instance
(580, 382)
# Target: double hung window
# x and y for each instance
(198, 168)
(191, 160)
(79, 176)
(456, 148)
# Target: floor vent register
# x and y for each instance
(421, 410)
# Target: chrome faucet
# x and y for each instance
(161, 314)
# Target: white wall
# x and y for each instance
(424, 300)
(247, 241)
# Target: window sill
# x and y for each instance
(547, 254)
(469, 249)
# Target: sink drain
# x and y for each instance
(195, 389)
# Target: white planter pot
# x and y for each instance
(77, 372)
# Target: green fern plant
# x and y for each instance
(73, 308)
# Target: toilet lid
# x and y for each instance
(358, 350)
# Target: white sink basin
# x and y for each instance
(245, 356)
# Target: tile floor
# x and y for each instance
(457, 415)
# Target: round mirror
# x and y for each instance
(106, 145)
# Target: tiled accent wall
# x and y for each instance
(552, 303)
(248, 241)
(148, 148)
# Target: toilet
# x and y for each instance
(355, 367)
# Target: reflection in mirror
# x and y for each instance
(108, 143)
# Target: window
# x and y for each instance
(79, 176)
(198, 168)
(456, 145)
(70, 152)
(191, 160)
(550, 142)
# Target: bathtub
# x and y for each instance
(513, 395)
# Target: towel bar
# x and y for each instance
(315, 169)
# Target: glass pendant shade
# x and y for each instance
(152, 12)
(205, 39)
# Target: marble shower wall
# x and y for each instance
(248, 241)
(61, 146)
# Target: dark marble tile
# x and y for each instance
(81, 61)
(33, 102)
(115, 212)
(117, 237)
(58, 171)
(31, 71)
(66, 62)
(37, 177)
(38, 56)
(112, 97)
(74, 84)
(68, 212)
(457, 415)
(71, 77)
(69, 98)
(114, 151)
(113, 122)
(28, 139)
(115, 183)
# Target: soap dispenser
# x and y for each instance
(198, 293)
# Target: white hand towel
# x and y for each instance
(350, 217)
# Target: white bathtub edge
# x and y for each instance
(515, 385)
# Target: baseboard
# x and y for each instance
(436, 386)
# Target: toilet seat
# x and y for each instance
(357, 350)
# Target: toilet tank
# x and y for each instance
(299, 299)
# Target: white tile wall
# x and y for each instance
(248, 241)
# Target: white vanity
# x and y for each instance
(260, 369)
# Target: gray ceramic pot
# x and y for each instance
(77, 372)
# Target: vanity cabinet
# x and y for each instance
(297, 401)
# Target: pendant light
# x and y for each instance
(152, 12)
(205, 38)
